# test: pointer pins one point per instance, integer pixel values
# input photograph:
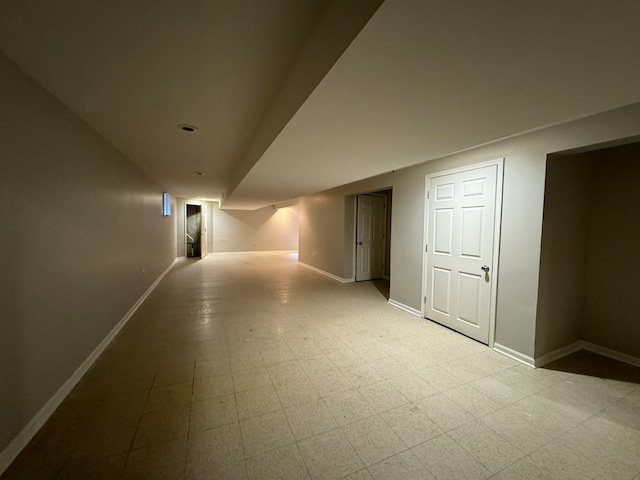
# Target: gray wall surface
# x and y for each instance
(588, 281)
(612, 293)
(323, 231)
(79, 225)
(265, 229)
(565, 245)
(324, 225)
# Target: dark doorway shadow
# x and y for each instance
(591, 364)
(382, 286)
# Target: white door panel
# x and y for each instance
(370, 236)
(468, 297)
(441, 291)
(460, 224)
(443, 231)
(471, 234)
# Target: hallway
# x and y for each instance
(250, 366)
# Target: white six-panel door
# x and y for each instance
(370, 237)
(461, 219)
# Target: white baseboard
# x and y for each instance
(406, 308)
(327, 274)
(509, 352)
(241, 252)
(558, 353)
(615, 355)
(11, 451)
(582, 345)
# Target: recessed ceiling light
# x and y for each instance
(188, 128)
(198, 173)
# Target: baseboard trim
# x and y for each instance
(327, 274)
(11, 451)
(558, 353)
(406, 308)
(515, 355)
(241, 252)
(613, 354)
(582, 345)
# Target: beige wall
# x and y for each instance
(612, 292)
(588, 288)
(264, 229)
(328, 226)
(323, 231)
(565, 244)
(79, 225)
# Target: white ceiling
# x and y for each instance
(284, 110)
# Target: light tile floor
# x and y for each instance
(250, 366)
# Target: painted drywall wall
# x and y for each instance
(564, 252)
(322, 223)
(322, 231)
(80, 224)
(265, 229)
(328, 231)
(587, 282)
(612, 293)
(179, 213)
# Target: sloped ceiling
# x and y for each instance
(293, 97)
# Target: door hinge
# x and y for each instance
(426, 248)
(425, 299)
(428, 194)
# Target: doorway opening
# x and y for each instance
(194, 218)
(588, 291)
(195, 230)
(373, 238)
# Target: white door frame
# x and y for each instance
(354, 232)
(499, 162)
(204, 212)
(386, 214)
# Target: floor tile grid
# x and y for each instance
(581, 454)
(188, 310)
(242, 333)
(443, 388)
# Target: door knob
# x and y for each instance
(359, 243)
(484, 268)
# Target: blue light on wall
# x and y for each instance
(166, 204)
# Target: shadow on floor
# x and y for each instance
(594, 365)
